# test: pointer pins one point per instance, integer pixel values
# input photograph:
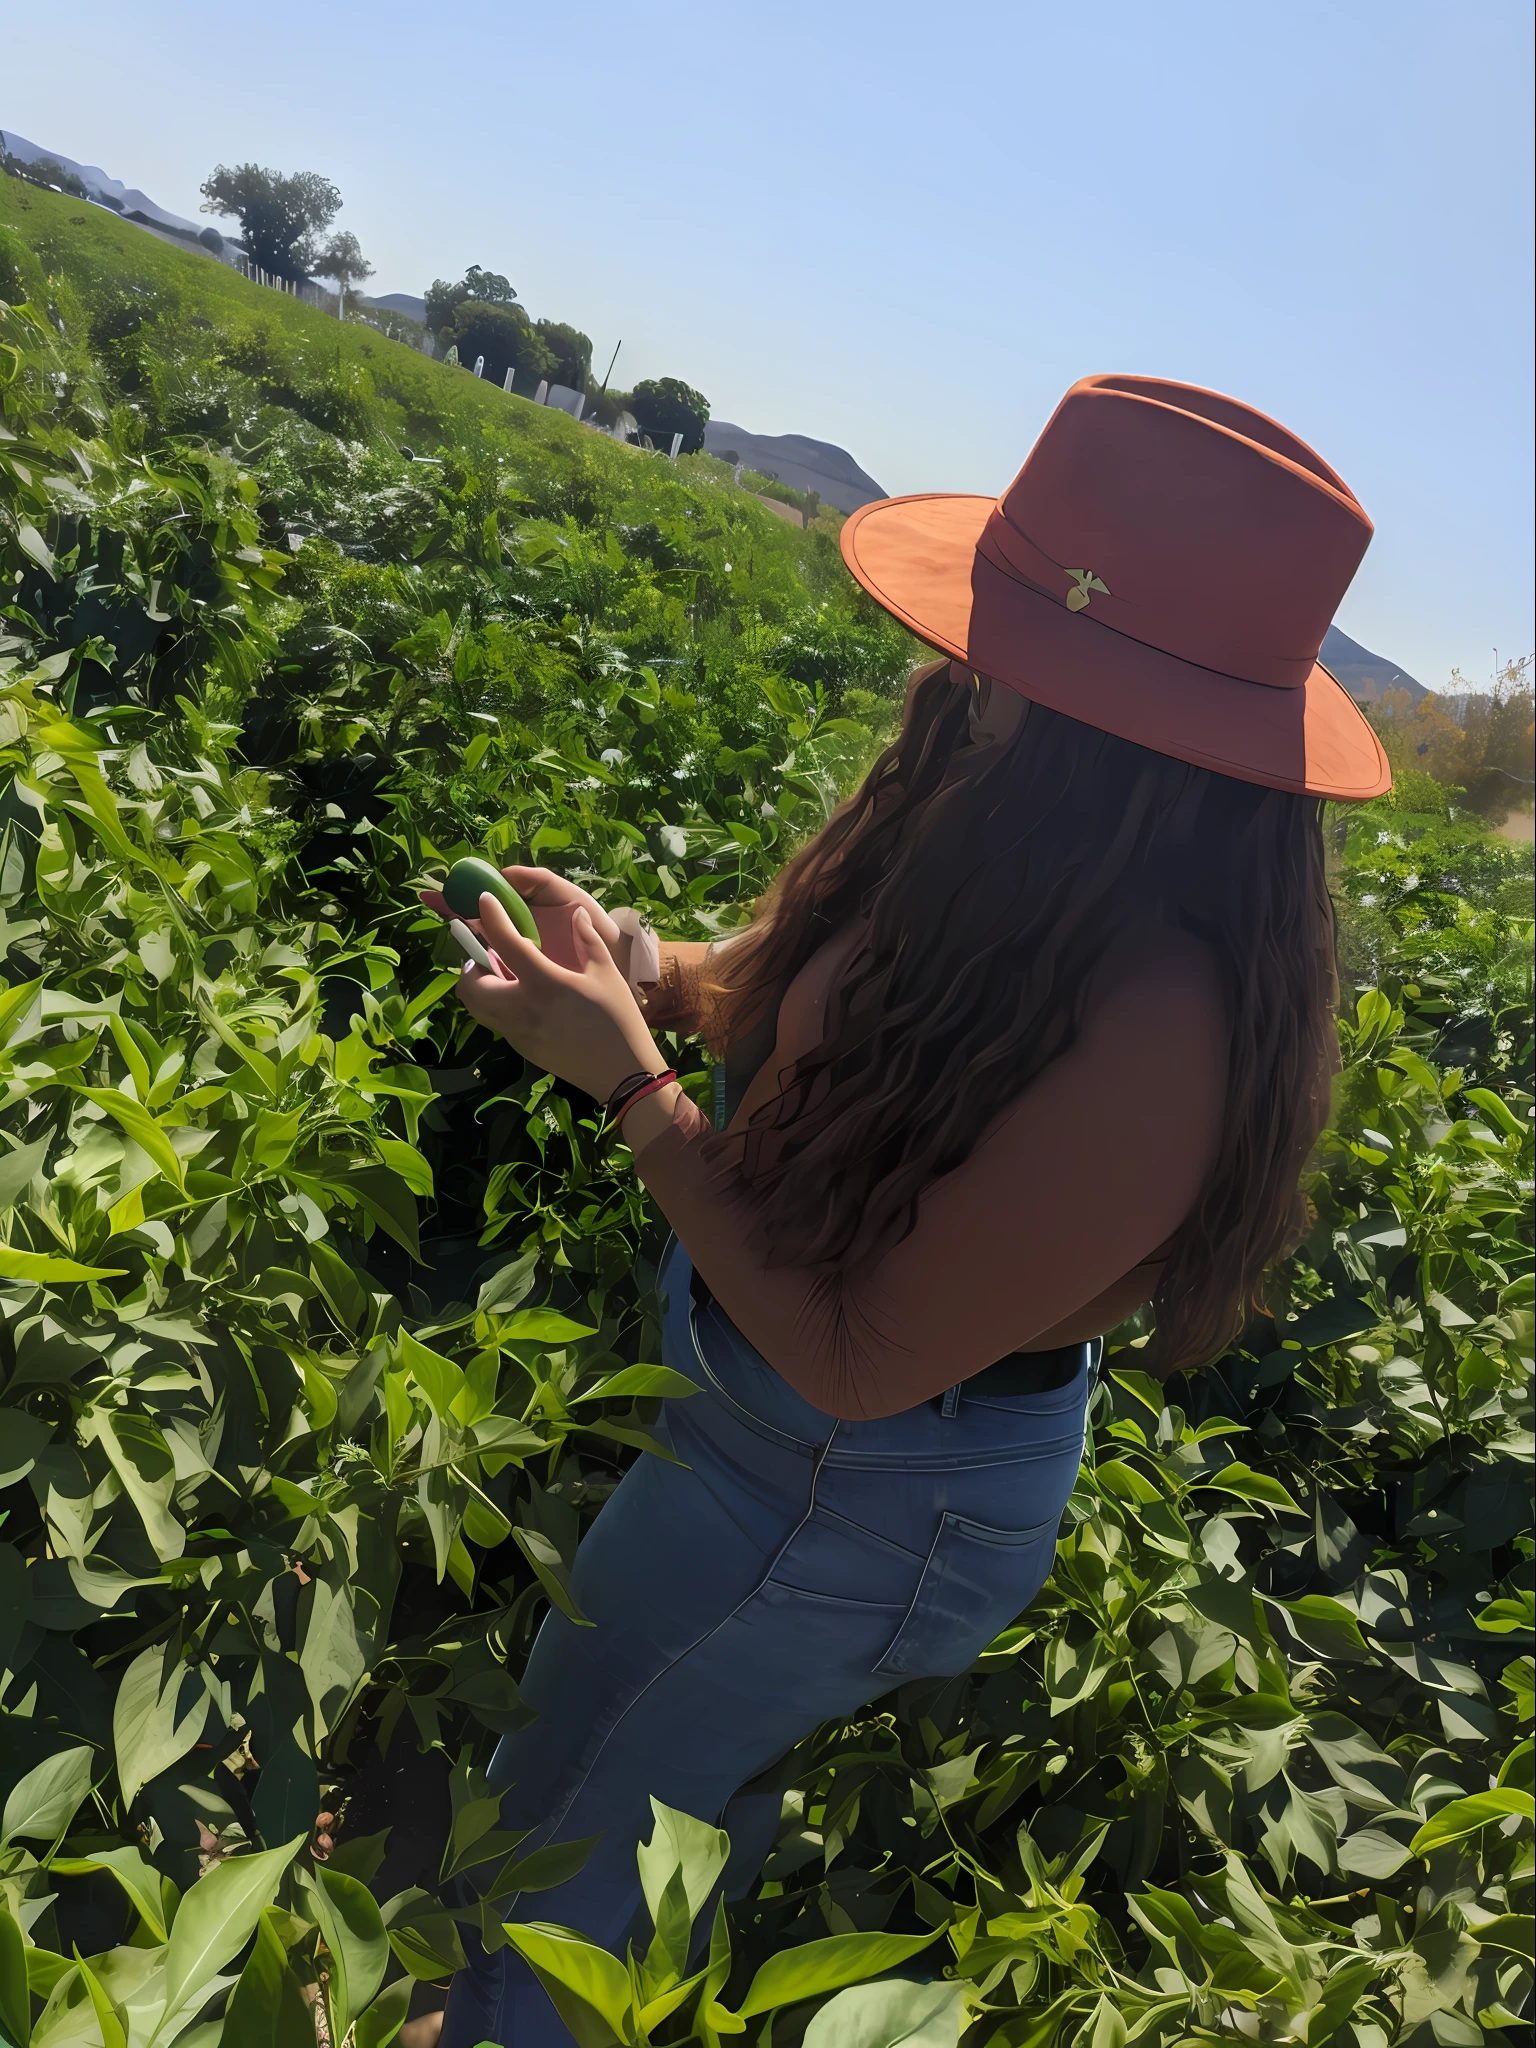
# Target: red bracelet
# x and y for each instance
(652, 1087)
(620, 1095)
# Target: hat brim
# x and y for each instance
(918, 559)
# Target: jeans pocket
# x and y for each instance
(976, 1580)
(834, 1558)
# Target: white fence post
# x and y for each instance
(479, 366)
(677, 442)
(543, 391)
(506, 382)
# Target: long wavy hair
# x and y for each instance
(994, 879)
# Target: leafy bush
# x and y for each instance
(485, 287)
(570, 352)
(1426, 886)
(665, 406)
(503, 336)
(326, 1326)
(1480, 742)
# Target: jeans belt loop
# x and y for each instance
(949, 1408)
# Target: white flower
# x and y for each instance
(611, 756)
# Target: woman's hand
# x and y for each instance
(580, 1021)
(554, 903)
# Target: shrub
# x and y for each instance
(665, 406)
(503, 336)
(569, 350)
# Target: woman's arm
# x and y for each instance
(1090, 1170)
(1074, 1185)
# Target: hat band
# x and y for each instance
(1009, 549)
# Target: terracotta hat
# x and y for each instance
(1163, 567)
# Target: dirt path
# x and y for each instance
(776, 505)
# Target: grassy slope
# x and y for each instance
(103, 262)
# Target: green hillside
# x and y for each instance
(325, 1326)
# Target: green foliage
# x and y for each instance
(342, 259)
(280, 212)
(326, 1327)
(503, 336)
(1479, 743)
(1426, 886)
(570, 351)
(485, 287)
(665, 406)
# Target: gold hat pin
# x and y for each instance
(1084, 584)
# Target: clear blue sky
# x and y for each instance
(907, 228)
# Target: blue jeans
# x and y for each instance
(788, 1571)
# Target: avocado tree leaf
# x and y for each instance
(1247, 1484)
(50, 1266)
(641, 1382)
(142, 1460)
(382, 2021)
(816, 1967)
(893, 2014)
(42, 1804)
(140, 1880)
(349, 1919)
(156, 1718)
(217, 1917)
(15, 1994)
(267, 2008)
(1461, 1817)
(589, 1988)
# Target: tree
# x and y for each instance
(485, 287)
(342, 260)
(665, 406)
(279, 212)
(571, 349)
(1477, 741)
(502, 335)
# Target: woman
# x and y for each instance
(1036, 1030)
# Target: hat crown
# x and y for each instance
(1187, 521)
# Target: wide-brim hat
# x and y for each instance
(1163, 567)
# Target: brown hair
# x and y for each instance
(994, 879)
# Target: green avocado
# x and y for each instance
(469, 880)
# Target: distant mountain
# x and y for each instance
(796, 460)
(1366, 676)
(100, 186)
(401, 302)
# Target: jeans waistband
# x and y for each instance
(1020, 1374)
(973, 1420)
